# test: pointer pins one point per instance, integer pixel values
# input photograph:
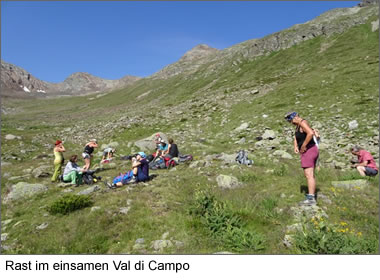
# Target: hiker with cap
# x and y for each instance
(58, 159)
(87, 153)
(365, 164)
(305, 145)
(108, 154)
(139, 172)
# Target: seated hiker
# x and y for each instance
(73, 173)
(366, 164)
(172, 150)
(108, 154)
(139, 172)
(162, 147)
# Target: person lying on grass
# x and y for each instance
(139, 172)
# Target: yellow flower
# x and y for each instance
(359, 233)
(343, 224)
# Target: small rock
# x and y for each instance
(64, 185)
(165, 235)
(227, 182)
(160, 245)
(10, 137)
(124, 210)
(242, 127)
(140, 241)
(288, 241)
(95, 208)
(353, 125)
(89, 190)
(42, 226)
(6, 222)
(283, 154)
(4, 236)
(138, 247)
(179, 244)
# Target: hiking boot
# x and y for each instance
(308, 202)
(133, 180)
(109, 185)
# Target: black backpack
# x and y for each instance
(89, 177)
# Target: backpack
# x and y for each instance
(159, 163)
(184, 158)
(89, 177)
(242, 158)
(169, 162)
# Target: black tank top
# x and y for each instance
(173, 150)
(301, 136)
(88, 149)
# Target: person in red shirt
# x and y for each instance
(367, 165)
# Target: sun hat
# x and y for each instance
(142, 154)
(290, 116)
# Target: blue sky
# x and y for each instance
(110, 39)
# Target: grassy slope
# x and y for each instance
(349, 68)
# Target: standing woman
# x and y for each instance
(58, 159)
(305, 146)
(87, 153)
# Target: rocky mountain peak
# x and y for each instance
(198, 52)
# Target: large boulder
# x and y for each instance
(24, 190)
(42, 171)
(147, 144)
(269, 135)
(227, 182)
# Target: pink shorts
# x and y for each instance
(309, 158)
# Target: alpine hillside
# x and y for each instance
(213, 103)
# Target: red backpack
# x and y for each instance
(169, 162)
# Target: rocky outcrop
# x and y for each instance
(24, 190)
(188, 63)
(15, 80)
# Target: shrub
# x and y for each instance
(317, 237)
(224, 225)
(69, 203)
(267, 208)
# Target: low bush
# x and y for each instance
(69, 203)
(224, 225)
(317, 237)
